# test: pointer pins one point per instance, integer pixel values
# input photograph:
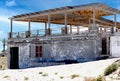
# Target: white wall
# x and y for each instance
(115, 46)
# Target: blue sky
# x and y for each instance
(9, 8)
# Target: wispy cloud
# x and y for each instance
(67, 1)
(4, 18)
(10, 3)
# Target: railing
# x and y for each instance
(54, 32)
(36, 33)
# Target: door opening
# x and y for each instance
(104, 46)
(14, 58)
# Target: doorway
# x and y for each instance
(14, 58)
(104, 46)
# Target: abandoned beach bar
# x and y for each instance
(84, 34)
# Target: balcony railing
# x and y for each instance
(36, 33)
(53, 32)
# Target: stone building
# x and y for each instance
(66, 44)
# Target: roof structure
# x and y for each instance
(76, 15)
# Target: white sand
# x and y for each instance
(54, 73)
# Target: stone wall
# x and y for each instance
(81, 49)
(73, 50)
(115, 46)
(24, 55)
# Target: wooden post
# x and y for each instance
(49, 30)
(49, 21)
(105, 30)
(70, 29)
(37, 32)
(45, 28)
(94, 14)
(115, 22)
(65, 22)
(29, 24)
(78, 29)
(29, 27)
(101, 29)
(11, 28)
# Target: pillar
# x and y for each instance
(115, 24)
(94, 14)
(49, 21)
(101, 29)
(105, 30)
(45, 28)
(65, 22)
(11, 27)
(49, 30)
(78, 29)
(70, 29)
(29, 28)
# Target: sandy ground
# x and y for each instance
(3, 63)
(72, 72)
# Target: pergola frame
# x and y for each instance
(66, 11)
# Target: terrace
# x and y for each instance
(72, 17)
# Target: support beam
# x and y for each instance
(105, 30)
(49, 30)
(37, 32)
(94, 14)
(65, 22)
(11, 28)
(65, 19)
(70, 29)
(29, 28)
(45, 28)
(49, 18)
(29, 25)
(101, 29)
(115, 22)
(78, 28)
